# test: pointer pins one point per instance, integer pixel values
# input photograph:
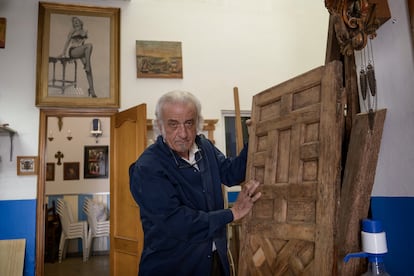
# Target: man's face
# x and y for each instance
(179, 129)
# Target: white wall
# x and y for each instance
(226, 43)
(249, 44)
(393, 58)
(17, 96)
(73, 151)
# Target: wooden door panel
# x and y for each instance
(124, 267)
(294, 151)
(123, 215)
(129, 136)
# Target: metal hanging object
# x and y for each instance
(367, 82)
(371, 80)
(363, 84)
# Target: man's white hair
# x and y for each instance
(176, 96)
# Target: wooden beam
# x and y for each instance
(238, 123)
(356, 189)
(383, 12)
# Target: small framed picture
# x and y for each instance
(71, 171)
(96, 162)
(50, 171)
(26, 165)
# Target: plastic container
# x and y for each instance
(374, 246)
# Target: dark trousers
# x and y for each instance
(216, 268)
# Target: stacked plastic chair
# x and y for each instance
(71, 229)
(97, 228)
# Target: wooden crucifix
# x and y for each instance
(59, 155)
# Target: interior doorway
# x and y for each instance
(45, 114)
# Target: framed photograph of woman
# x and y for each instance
(78, 56)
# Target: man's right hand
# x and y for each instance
(246, 199)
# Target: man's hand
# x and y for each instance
(245, 200)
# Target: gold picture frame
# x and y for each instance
(27, 165)
(159, 59)
(77, 56)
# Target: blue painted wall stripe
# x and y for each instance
(18, 221)
(396, 215)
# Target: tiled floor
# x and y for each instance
(73, 266)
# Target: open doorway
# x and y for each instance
(57, 116)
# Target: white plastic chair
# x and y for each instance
(97, 228)
(71, 229)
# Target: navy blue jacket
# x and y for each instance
(182, 208)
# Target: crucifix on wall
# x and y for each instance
(59, 155)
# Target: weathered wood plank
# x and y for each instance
(357, 186)
(329, 170)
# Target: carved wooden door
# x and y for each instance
(295, 152)
(128, 141)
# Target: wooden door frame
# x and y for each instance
(41, 179)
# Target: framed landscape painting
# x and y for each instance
(159, 59)
(77, 56)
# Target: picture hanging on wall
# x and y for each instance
(159, 59)
(50, 171)
(71, 171)
(78, 56)
(2, 32)
(26, 165)
(96, 162)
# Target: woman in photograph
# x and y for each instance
(75, 47)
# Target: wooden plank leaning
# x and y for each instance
(358, 180)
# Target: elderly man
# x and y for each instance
(177, 185)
